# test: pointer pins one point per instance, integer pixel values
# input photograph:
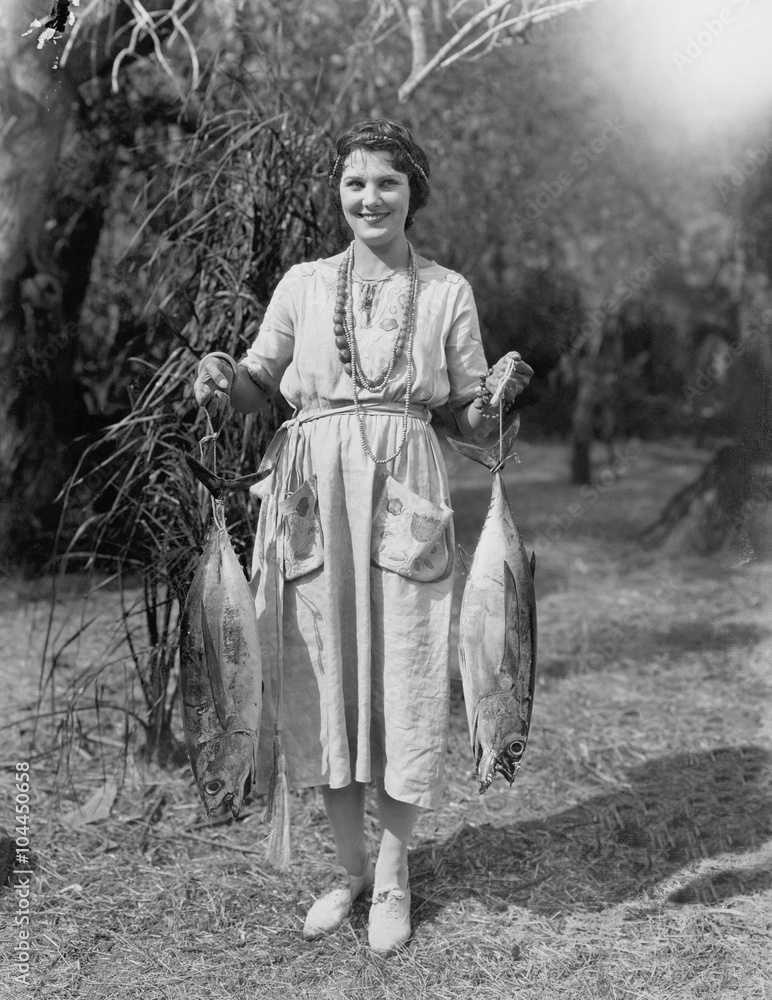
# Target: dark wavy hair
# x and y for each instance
(408, 158)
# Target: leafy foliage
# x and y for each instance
(242, 204)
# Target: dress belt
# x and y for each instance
(387, 409)
(306, 416)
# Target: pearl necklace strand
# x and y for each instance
(345, 341)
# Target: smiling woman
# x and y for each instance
(375, 198)
(353, 564)
(396, 153)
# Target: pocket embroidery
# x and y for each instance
(410, 534)
(302, 531)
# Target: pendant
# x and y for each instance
(368, 294)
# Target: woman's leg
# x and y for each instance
(389, 925)
(346, 814)
(397, 820)
(354, 872)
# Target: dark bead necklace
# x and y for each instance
(343, 324)
(345, 341)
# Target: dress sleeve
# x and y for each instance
(464, 352)
(271, 352)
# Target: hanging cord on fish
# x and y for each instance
(211, 436)
(218, 513)
(215, 426)
(497, 399)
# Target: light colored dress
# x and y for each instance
(353, 561)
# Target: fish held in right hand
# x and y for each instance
(498, 633)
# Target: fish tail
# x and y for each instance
(277, 810)
(492, 456)
(222, 487)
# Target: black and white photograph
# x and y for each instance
(386, 499)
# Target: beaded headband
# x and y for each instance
(416, 166)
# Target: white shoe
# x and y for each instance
(389, 920)
(330, 910)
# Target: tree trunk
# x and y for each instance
(35, 350)
(581, 425)
(42, 410)
(726, 509)
(580, 361)
(711, 514)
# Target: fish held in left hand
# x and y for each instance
(220, 665)
(498, 633)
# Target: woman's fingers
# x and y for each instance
(213, 383)
(519, 375)
(522, 374)
(216, 403)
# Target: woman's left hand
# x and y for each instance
(518, 379)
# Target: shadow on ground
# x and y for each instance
(673, 811)
(639, 640)
(707, 636)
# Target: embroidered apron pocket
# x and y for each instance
(301, 527)
(411, 535)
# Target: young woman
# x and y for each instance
(354, 549)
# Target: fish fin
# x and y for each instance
(466, 559)
(532, 564)
(521, 669)
(512, 653)
(534, 644)
(223, 487)
(222, 707)
(473, 737)
(277, 810)
(488, 455)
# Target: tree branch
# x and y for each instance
(415, 19)
(543, 10)
(519, 24)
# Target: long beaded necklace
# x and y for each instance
(345, 341)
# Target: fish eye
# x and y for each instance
(516, 748)
(213, 787)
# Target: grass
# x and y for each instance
(631, 859)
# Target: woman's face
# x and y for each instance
(375, 197)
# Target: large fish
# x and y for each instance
(497, 635)
(220, 668)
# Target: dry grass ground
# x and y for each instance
(631, 859)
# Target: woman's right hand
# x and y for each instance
(213, 384)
